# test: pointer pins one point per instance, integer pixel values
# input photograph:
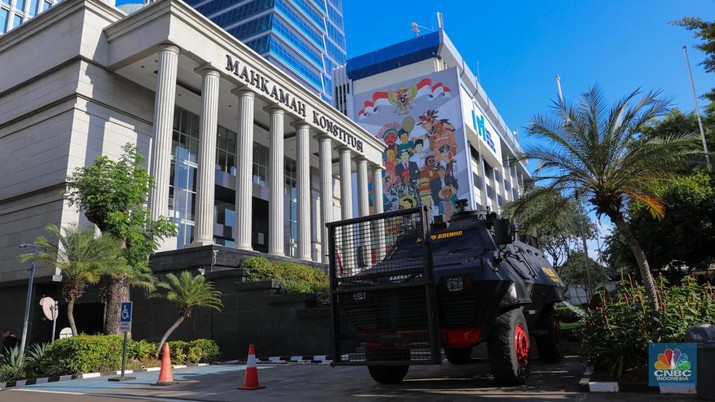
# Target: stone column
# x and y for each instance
(276, 182)
(377, 189)
(379, 208)
(348, 256)
(365, 236)
(326, 191)
(206, 176)
(302, 157)
(244, 170)
(164, 101)
(346, 188)
(363, 196)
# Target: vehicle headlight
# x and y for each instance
(512, 291)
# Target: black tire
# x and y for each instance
(458, 356)
(549, 344)
(508, 347)
(388, 374)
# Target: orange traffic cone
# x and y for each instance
(165, 374)
(251, 380)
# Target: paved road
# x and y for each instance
(311, 382)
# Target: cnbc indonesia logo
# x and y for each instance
(672, 365)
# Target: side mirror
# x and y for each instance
(502, 232)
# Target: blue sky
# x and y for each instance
(521, 45)
(518, 47)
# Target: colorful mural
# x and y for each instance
(420, 123)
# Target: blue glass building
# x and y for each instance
(302, 37)
(15, 12)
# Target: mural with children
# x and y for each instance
(420, 123)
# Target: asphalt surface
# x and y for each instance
(314, 382)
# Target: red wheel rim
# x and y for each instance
(521, 343)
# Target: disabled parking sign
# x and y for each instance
(125, 317)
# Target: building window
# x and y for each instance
(260, 164)
(235, 15)
(226, 150)
(182, 182)
(296, 64)
(17, 21)
(34, 7)
(3, 19)
(291, 207)
(293, 18)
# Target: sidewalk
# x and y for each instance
(314, 382)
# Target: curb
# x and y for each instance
(586, 385)
(43, 380)
(305, 359)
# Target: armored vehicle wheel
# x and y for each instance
(508, 347)
(458, 355)
(549, 344)
(388, 374)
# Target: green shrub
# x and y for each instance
(82, 354)
(208, 349)
(616, 334)
(34, 359)
(261, 268)
(141, 350)
(178, 351)
(295, 278)
(11, 365)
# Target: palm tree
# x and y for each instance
(82, 257)
(595, 153)
(187, 292)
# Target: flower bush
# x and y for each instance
(616, 334)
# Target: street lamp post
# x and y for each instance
(25, 323)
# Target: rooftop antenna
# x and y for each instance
(558, 86)
(697, 110)
(416, 28)
(440, 22)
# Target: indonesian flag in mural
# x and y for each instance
(403, 98)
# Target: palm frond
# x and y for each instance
(189, 291)
(591, 150)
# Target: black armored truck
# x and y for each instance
(404, 289)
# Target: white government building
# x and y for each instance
(243, 156)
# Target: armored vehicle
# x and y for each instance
(403, 290)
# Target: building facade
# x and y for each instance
(305, 38)
(443, 139)
(243, 155)
(15, 12)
